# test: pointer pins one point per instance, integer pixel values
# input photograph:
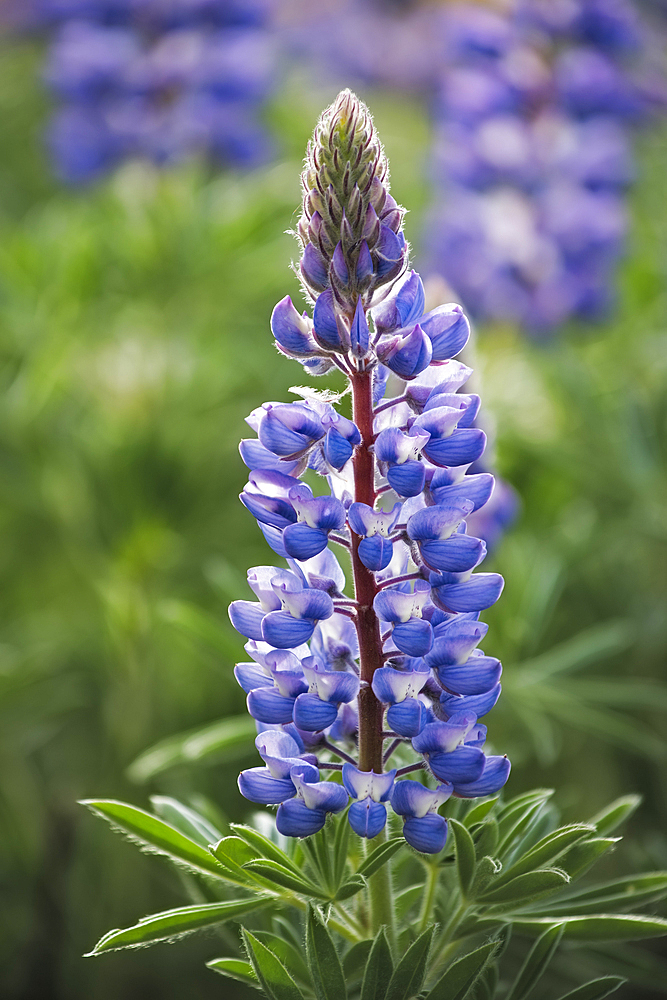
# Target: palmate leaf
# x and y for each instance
(225, 740)
(271, 871)
(479, 811)
(173, 923)
(270, 971)
(463, 975)
(155, 835)
(515, 818)
(185, 819)
(583, 855)
(323, 961)
(264, 847)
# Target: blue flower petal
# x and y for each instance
(462, 447)
(303, 542)
(477, 704)
(465, 764)
(376, 552)
(414, 637)
(268, 705)
(324, 319)
(367, 818)
(247, 618)
(257, 784)
(295, 819)
(479, 592)
(408, 717)
(477, 488)
(427, 834)
(283, 631)
(312, 714)
(493, 777)
(251, 676)
(456, 554)
(448, 329)
(407, 479)
(477, 675)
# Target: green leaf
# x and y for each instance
(340, 847)
(465, 855)
(460, 978)
(528, 886)
(323, 961)
(597, 989)
(155, 835)
(226, 739)
(546, 850)
(487, 869)
(270, 971)
(536, 962)
(597, 927)
(172, 923)
(186, 820)
(611, 817)
(379, 856)
(408, 975)
(406, 899)
(355, 960)
(479, 812)
(284, 877)
(630, 891)
(291, 957)
(233, 853)
(514, 821)
(263, 847)
(379, 969)
(234, 968)
(586, 647)
(486, 838)
(583, 855)
(351, 887)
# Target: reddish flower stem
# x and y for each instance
(365, 589)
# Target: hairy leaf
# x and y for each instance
(185, 819)
(351, 887)
(325, 966)
(270, 971)
(597, 989)
(528, 886)
(155, 835)
(597, 927)
(284, 877)
(487, 869)
(479, 811)
(263, 847)
(547, 850)
(234, 968)
(583, 855)
(408, 975)
(612, 816)
(460, 978)
(379, 969)
(465, 855)
(379, 856)
(536, 962)
(172, 923)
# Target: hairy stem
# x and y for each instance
(365, 589)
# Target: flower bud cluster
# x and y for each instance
(154, 79)
(307, 679)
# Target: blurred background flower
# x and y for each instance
(134, 338)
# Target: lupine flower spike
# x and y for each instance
(341, 681)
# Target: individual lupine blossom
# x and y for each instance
(157, 79)
(344, 675)
(533, 157)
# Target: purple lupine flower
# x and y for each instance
(163, 81)
(336, 674)
(532, 157)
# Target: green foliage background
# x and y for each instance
(134, 339)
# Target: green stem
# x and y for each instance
(380, 896)
(427, 904)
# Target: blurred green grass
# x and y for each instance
(134, 339)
